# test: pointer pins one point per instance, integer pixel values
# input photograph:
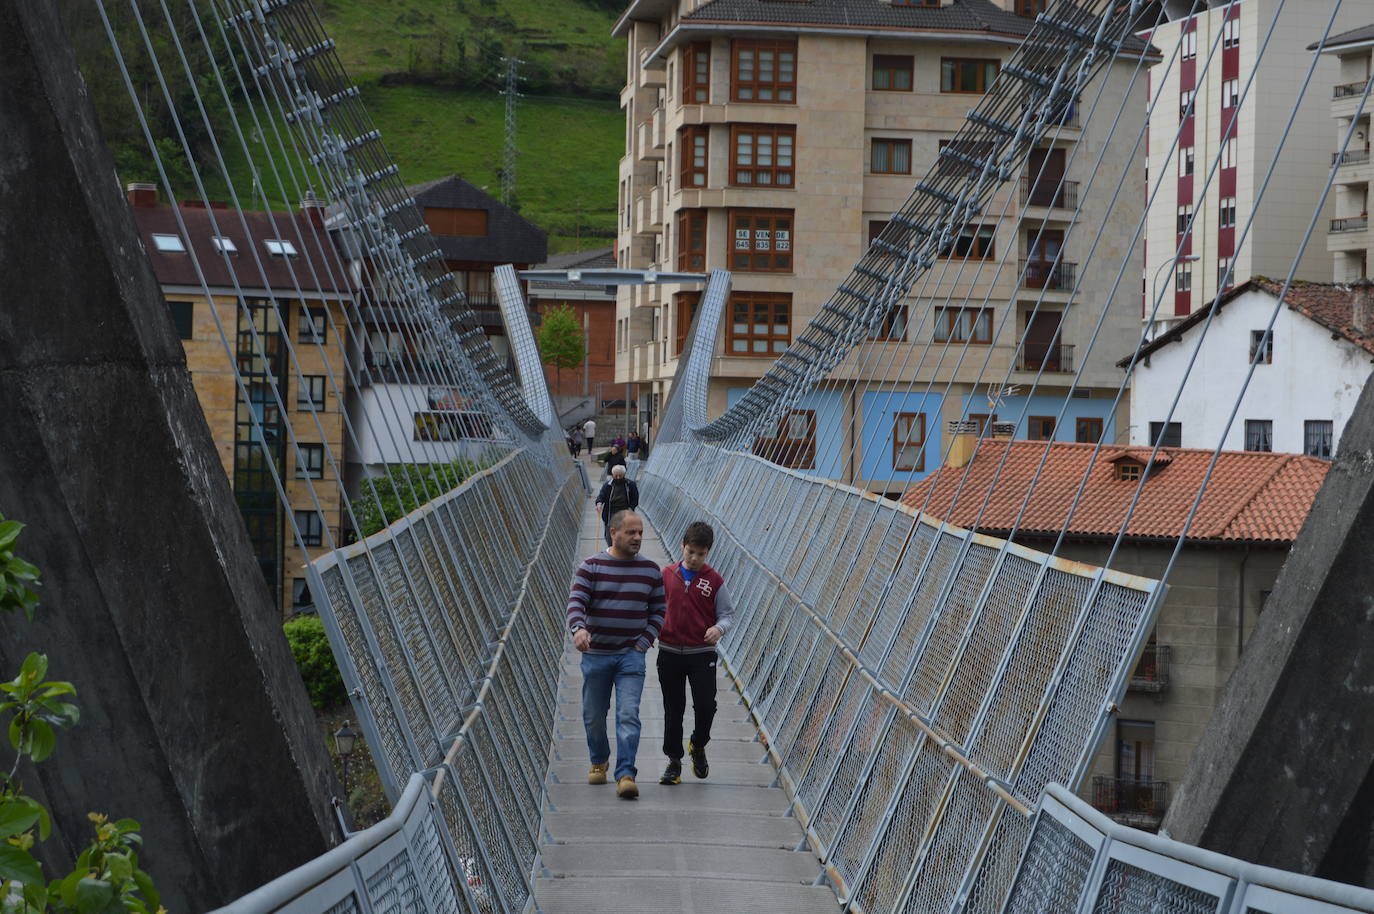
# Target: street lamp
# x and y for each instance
(1154, 283)
(345, 739)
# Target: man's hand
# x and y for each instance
(713, 634)
(582, 640)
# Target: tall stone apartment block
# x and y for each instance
(775, 139)
(1209, 57)
(1348, 239)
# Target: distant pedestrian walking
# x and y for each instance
(633, 445)
(575, 436)
(615, 609)
(616, 495)
(589, 432)
(699, 614)
(615, 457)
(619, 442)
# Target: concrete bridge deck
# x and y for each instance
(725, 844)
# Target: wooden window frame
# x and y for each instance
(691, 240)
(1031, 8)
(690, 169)
(950, 322)
(1039, 424)
(1128, 471)
(775, 171)
(981, 241)
(893, 65)
(983, 420)
(905, 444)
(886, 332)
(890, 144)
(696, 73)
(1093, 426)
(1261, 348)
(951, 65)
(775, 343)
(776, 256)
(685, 305)
(786, 450)
(783, 91)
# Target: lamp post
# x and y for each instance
(1154, 283)
(345, 739)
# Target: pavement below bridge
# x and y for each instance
(724, 845)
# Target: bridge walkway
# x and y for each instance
(725, 844)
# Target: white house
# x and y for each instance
(1308, 374)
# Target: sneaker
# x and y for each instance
(598, 773)
(699, 766)
(673, 773)
(626, 788)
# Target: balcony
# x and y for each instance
(1049, 193)
(1152, 672)
(1350, 224)
(644, 141)
(1349, 90)
(1350, 157)
(1137, 803)
(1048, 274)
(1045, 357)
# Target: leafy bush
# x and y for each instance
(310, 647)
(405, 487)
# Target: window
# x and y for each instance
(1224, 279)
(892, 72)
(694, 156)
(1259, 435)
(875, 228)
(279, 247)
(1183, 277)
(169, 244)
(915, 2)
(1040, 428)
(794, 444)
(450, 220)
(762, 156)
(685, 305)
(183, 316)
(1185, 216)
(1129, 471)
(890, 157)
(1185, 103)
(1228, 153)
(1230, 33)
(1317, 438)
(1185, 161)
(1226, 212)
(301, 600)
(311, 526)
(763, 71)
(963, 325)
(310, 391)
(760, 323)
(311, 465)
(909, 442)
(1188, 48)
(973, 149)
(1230, 93)
(975, 242)
(1261, 347)
(1031, 7)
(964, 74)
(893, 327)
(313, 325)
(691, 240)
(223, 245)
(1166, 434)
(1087, 429)
(761, 241)
(696, 73)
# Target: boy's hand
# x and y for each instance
(582, 640)
(713, 634)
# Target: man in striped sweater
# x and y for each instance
(615, 609)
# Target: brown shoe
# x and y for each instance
(598, 773)
(626, 788)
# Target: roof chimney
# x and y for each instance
(1362, 306)
(963, 441)
(142, 194)
(313, 208)
(1002, 430)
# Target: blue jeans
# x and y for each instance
(625, 673)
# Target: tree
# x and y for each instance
(560, 341)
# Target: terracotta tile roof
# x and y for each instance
(1332, 305)
(1252, 496)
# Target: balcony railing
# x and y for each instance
(1350, 224)
(1049, 192)
(1350, 157)
(1152, 672)
(1349, 89)
(1045, 357)
(1048, 274)
(1133, 802)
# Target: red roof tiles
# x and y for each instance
(1251, 497)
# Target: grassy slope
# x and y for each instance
(568, 147)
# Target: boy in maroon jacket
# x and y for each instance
(699, 614)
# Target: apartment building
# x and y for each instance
(1348, 239)
(775, 139)
(1201, 211)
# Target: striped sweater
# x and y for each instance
(618, 601)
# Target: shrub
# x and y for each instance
(310, 647)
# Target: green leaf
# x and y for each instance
(35, 667)
(93, 895)
(16, 733)
(121, 868)
(67, 888)
(37, 895)
(16, 817)
(17, 865)
(43, 741)
(124, 826)
(145, 887)
(56, 688)
(9, 532)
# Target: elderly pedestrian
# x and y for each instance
(617, 494)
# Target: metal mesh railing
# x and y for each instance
(917, 699)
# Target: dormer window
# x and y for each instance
(279, 247)
(1129, 470)
(1129, 466)
(169, 244)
